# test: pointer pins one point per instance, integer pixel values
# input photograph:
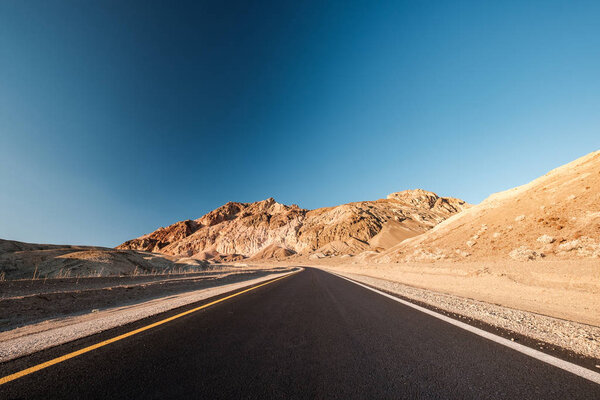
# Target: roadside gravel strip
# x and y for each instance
(580, 338)
(67, 299)
(32, 338)
(26, 287)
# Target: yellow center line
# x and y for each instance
(68, 356)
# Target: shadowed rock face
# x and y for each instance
(248, 228)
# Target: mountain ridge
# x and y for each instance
(245, 229)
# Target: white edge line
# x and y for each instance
(557, 362)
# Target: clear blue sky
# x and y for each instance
(117, 117)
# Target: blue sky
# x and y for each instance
(120, 117)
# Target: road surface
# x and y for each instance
(310, 335)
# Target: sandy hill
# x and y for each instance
(556, 216)
(273, 252)
(268, 229)
(20, 260)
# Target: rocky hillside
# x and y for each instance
(556, 216)
(269, 229)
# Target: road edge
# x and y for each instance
(544, 357)
(115, 317)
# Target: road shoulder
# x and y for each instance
(568, 339)
(36, 337)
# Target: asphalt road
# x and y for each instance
(311, 335)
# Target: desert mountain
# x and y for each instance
(555, 216)
(268, 229)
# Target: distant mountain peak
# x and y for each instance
(246, 229)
